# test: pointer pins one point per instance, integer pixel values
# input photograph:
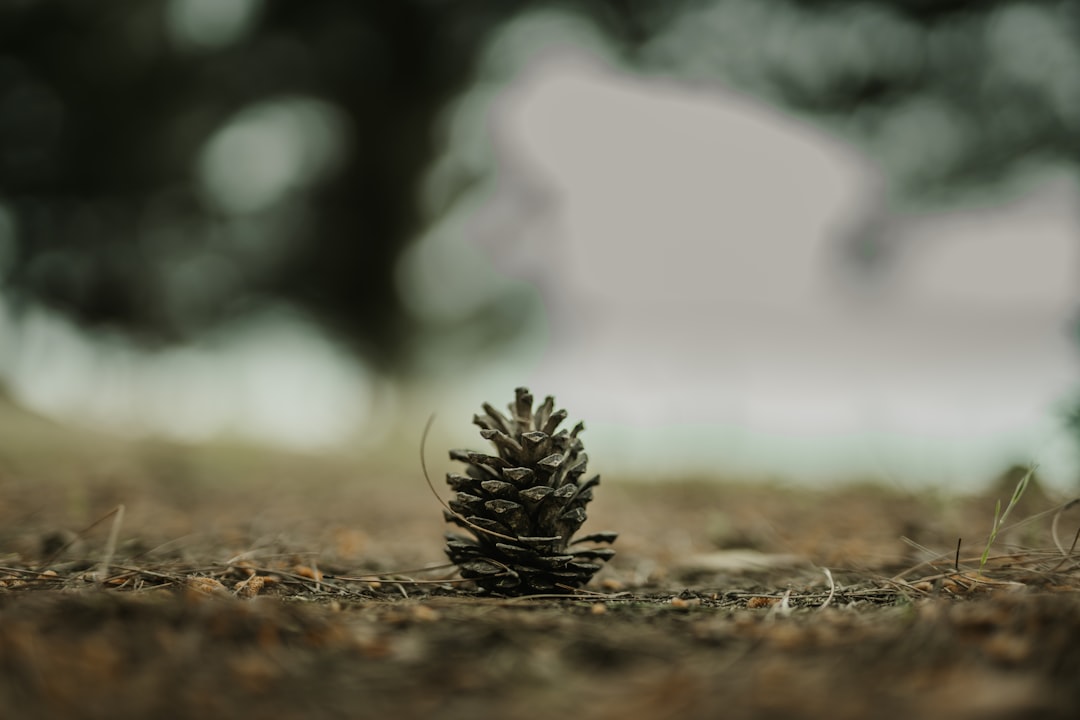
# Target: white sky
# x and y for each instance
(687, 243)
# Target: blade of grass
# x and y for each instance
(1000, 516)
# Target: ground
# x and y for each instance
(239, 582)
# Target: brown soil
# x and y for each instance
(250, 584)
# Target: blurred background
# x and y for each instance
(754, 238)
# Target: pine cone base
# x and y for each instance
(523, 505)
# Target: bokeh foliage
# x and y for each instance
(109, 114)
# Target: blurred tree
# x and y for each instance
(949, 96)
(170, 164)
(106, 112)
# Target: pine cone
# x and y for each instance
(523, 505)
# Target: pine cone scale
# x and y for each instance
(498, 488)
(496, 418)
(520, 475)
(535, 494)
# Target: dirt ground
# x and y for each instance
(241, 583)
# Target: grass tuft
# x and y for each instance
(1000, 517)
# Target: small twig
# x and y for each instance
(782, 608)
(385, 577)
(935, 557)
(78, 536)
(159, 548)
(392, 578)
(956, 562)
(302, 579)
(258, 553)
(110, 544)
(25, 571)
(1054, 524)
(578, 594)
(832, 589)
(175, 577)
(411, 581)
(1068, 554)
(427, 478)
